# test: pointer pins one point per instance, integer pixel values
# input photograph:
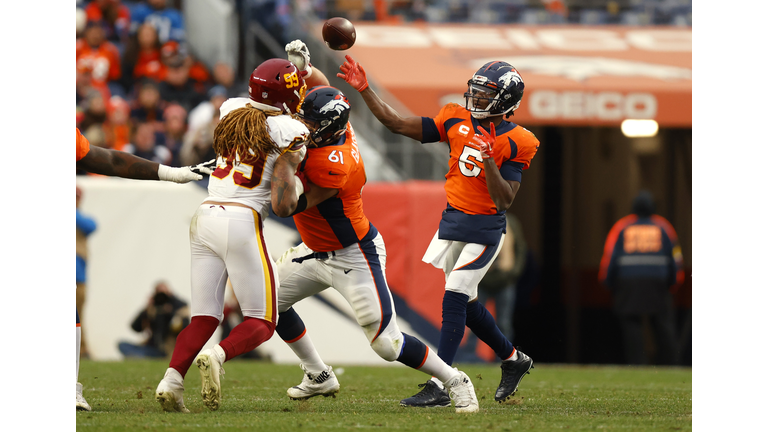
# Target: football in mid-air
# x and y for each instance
(339, 34)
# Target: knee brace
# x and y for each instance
(388, 343)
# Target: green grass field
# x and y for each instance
(552, 397)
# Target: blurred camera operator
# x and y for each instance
(162, 320)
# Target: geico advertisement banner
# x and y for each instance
(573, 75)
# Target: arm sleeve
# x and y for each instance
(433, 129)
(511, 170)
(429, 131)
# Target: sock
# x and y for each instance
(454, 321)
(246, 336)
(291, 330)
(191, 340)
(413, 353)
(482, 324)
(436, 367)
(513, 357)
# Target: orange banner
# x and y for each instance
(574, 75)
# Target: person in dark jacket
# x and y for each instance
(642, 266)
(162, 320)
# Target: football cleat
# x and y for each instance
(80, 403)
(431, 395)
(512, 372)
(170, 392)
(315, 384)
(463, 394)
(210, 372)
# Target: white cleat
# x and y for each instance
(463, 393)
(170, 392)
(80, 403)
(315, 384)
(210, 372)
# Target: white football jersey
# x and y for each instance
(248, 181)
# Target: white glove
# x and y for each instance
(298, 54)
(185, 174)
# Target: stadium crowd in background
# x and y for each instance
(135, 53)
(137, 83)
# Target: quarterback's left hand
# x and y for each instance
(485, 142)
(298, 54)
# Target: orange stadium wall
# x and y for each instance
(407, 216)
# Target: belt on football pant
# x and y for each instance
(315, 255)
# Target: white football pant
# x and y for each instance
(358, 273)
(228, 242)
(464, 264)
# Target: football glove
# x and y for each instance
(185, 174)
(298, 54)
(484, 142)
(353, 74)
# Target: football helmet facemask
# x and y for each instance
(495, 89)
(326, 110)
(277, 83)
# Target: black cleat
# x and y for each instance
(511, 374)
(431, 395)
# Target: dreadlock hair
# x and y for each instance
(244, 132)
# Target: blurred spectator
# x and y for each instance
(148, 106)
(84, 88)
(144, 144)
(81, 20)
(642, 264)
(202, 114)
(182, 83)
(224, 76)
(142, 56)
(161, 321)
(173, 132)
(198, 142)
(173, 54)
(93, 109)
(100, 56)
(116, 17)
(167, 20)
(274, 16)
(117, 129)
(85, 227)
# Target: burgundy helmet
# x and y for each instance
(278, 83)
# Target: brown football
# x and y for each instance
(339, 34)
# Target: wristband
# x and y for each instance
(301, 205)
(163, 172)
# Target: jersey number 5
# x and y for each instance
(247, 174)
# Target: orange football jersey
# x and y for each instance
(465, 184)
(83, 146)
(338, 221)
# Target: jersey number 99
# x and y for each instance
(247, 174)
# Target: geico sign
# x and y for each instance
(587, 105)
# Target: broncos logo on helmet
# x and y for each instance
(339, 105)
(327, 110)
(495, 89)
